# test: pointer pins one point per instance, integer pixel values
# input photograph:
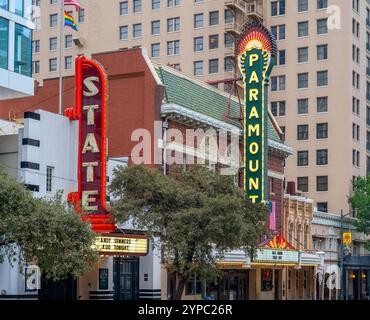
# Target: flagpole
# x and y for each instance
(61, 51)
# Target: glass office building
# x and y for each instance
(16, 48)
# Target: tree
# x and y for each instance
(360, 200)
(193, 213)
(45, 232)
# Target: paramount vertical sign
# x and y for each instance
(256, 51)
(90, 111)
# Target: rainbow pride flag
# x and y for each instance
(69, 21)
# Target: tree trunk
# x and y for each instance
(180, 288)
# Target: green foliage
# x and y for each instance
(360, 200)
(194, 213)
(47, 232)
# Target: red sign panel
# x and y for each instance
(90, 111)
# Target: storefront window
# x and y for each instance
(193, 286)
(23, 51)
(4, 4)
(266, 280)
(4, 40)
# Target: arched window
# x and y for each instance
(305, 237)
(290, 233)
(298, 236)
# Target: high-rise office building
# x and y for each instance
(319, 88)
(15, 49)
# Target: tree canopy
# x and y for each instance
(46, 232)
(194, 213)
(360, 200)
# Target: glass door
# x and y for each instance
(126, 278)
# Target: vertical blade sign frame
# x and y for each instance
(90, 111)
(256, 53)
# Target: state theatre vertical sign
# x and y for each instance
(256, 52)
(90, 111)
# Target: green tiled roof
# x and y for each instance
(201, 98)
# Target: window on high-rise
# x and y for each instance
(303, 29)
(322, 78)
(173, 24)
(36, 67)
(156, 27)
(302, 132)
(322, 104)
(123, 8)
(322, 157)
(322, 4)
(198, 68)
(53, 20)
(137, 30)
(4, 43)
(81, 15)
(302, 106)
(198, 44)
(302, 184)
(229, 16)
(137, 6)
(68, 63)
(277, 7)
(303, 55)
(281, 57)
(173, 47)
(173, 3)
(302, 158)
(213, 18)
(321, 130)
(35, 46)
(123, 32)
(229, 40)
(155, 50)
(278, 83)
(156, 4)
(53, 64)
(278, 108)
(213, 41)
(322, 52)
(322, 183)
(302, 80)
(229, 65)
(68, 41)
(213, 66)
(23, 50)
(322, 206)
(302, 5)
(322, 26)
(278, 32)
(53, 43)
(198, 20)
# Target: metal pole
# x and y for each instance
(341, 256)
(61, 47)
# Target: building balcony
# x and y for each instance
(233, 28)
(357, 261)
(248, 7)
(230, 52)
